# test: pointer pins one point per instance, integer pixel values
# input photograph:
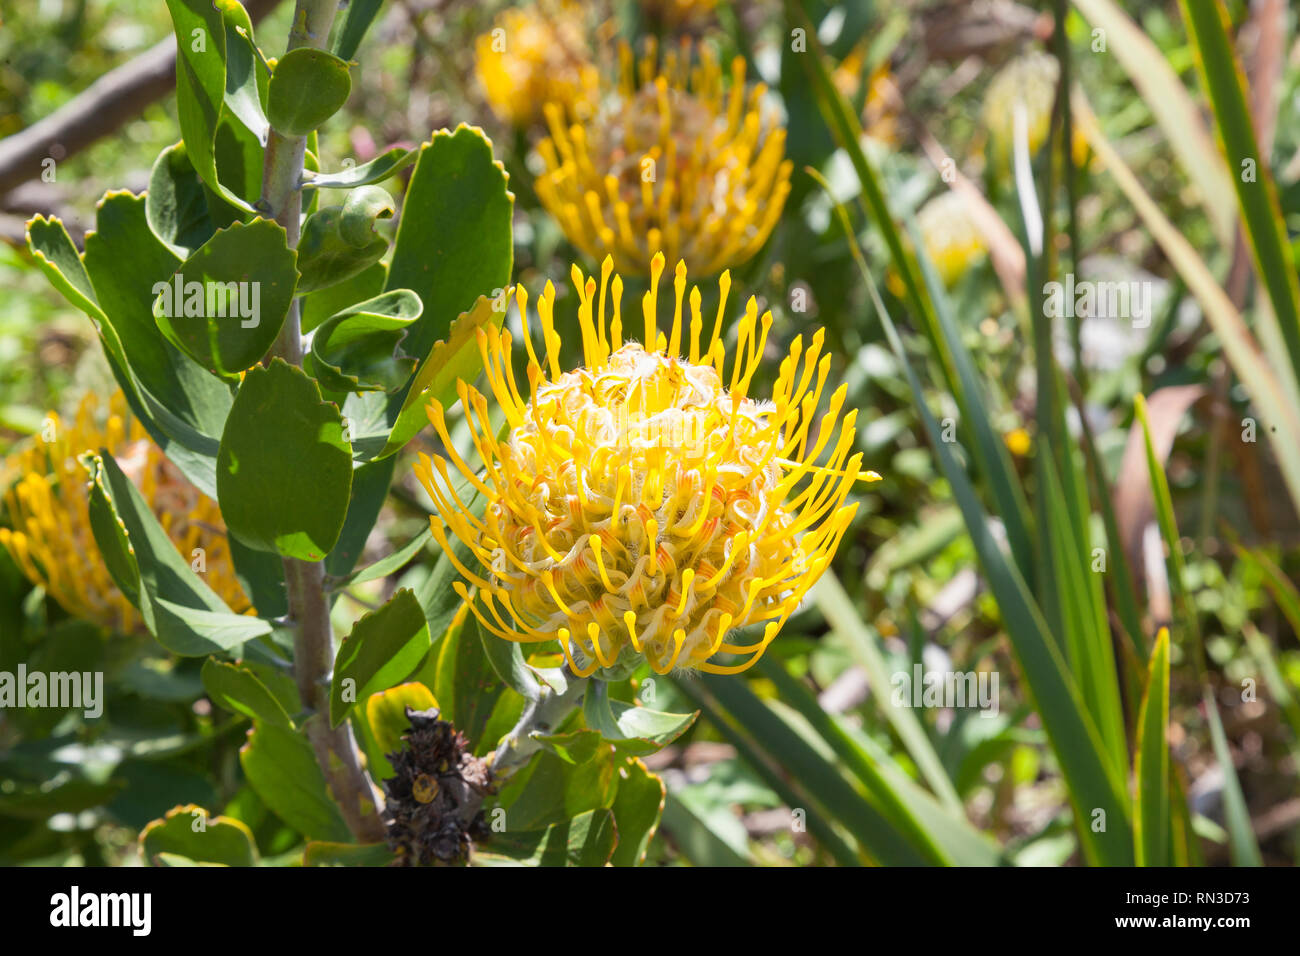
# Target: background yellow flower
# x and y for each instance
(46, 503)
(533, 56)
(671, 161)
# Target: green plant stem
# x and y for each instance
(309, 612)
(542, 716)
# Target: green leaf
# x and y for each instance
(282, 769)
(386, 712)
(1094, 784)
(1087, 630)
(467, 686)
(635, 730)
(180, 403)
(698, 841)
(507, 660)
(576, 748)
(389, 565)
(455, 239)
(386, 164)
(1164, 509)
(339, 242)
(384, 647)
(178, 607)
(816, 784)
(226, 303)
(941, 831)
(261, 575)
(990, 451)
(370, 485)
(58, 258)
(201, 86)
(586, 840)
(1151, 808)
(354, 21)
(452, 360)
(551, 790)
(320, 305)
(359, 349)
(861, 643)
(1241, 834)
(1176, 112)
(321, 853)
(176, 205)
(242, 98)
(190, 832)
(239, 690)
(284, 471)
(1261, 213)
(638, 805)
(437, 593)
(308, 86)
(222, 628)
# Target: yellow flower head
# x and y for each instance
(47, 503)
(533, 56)
(645, 505)
(952, 240)
(668, 162)
(1030, 82)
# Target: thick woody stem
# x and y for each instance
(335, 748)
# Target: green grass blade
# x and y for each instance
(1261, 213)
(1151, 807)
(1241, 835)
(991, 455)
(1277, 405)
(944, 835)
(1169, 531)
(843, 617)
(1096, 791)
(1120, 574)
(847, 131)
(696, 840)
(1279, 585)
(1086, 628)
(797, 774)
(1186, 843)
(1174, 109)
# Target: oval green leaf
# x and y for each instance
(284, 471)
(307, 88)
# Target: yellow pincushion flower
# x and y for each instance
(645, 505)
(1029, 81)
(669, 162)
(952, 240)
(534, 56)
(46, 502)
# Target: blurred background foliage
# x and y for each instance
(809, 722)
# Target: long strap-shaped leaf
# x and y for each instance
(843, 617)
(1261, 213)
(1278, 404)
(1151, 813)
(1097, 792)
(1175, 111)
